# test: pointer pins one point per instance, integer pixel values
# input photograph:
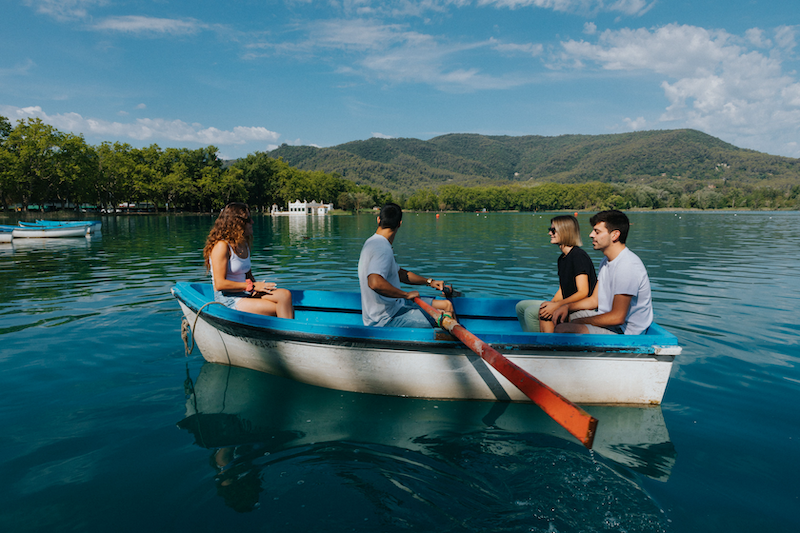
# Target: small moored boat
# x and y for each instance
(93, 226)
(36, 231)
(6, 233)
(327, 345)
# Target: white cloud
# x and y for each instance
(390, 52)
(590, 28)
(637, 124)
(150, 25)
(527, 48)
(757, 38)
(64, 10)
(146, 129)
(712, 80)
(141, 106)
(20, 69)
(785, 37)
(381, 135)
(626, 7)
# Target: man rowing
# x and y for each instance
(383, 302)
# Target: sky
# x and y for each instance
(247, 76)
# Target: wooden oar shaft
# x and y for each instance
(575, 420)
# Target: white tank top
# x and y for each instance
(237, 267)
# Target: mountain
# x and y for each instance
(656, 158)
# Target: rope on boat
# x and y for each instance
(187, 330)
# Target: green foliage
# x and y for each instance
(657, 169)
(39, 164)
(673, 163)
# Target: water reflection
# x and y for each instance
(54, 244)
(421, 462)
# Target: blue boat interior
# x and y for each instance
(338, 314)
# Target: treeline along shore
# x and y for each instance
(674, 169)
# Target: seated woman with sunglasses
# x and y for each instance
(227, 255)
(576, 277)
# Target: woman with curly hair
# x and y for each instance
(227, 256)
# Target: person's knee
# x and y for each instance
(569, 327)
(443, 305)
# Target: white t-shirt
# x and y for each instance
(377, 257)
(626, 274)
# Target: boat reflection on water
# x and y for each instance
(54, 243)
(411, 462)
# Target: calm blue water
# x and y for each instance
(100, 430)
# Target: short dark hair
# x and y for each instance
(391, 215)
(614, 220)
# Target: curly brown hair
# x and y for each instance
(229, 227)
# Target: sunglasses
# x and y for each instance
(552, 230)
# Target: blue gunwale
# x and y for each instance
(492, 319)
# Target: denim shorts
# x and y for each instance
(411, 316)
(230, 299)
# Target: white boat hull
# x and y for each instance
(48, 232)
(450, 373)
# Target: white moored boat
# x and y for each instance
(327, 345)
(90, 226)
(44, 232)
(6, 233)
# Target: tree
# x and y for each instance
(33, 147)
(6, 162)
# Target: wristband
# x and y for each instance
(428, 281)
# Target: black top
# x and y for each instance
(571, 265)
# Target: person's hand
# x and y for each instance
(265, 287)
(437, 284)
(411, 295)
(560, 315)
(547, 309)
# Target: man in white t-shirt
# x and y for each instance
(383, 302)
(621, 301)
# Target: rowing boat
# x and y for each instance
(6, 233)
(43, 232)
(327, 345)
(92, 226)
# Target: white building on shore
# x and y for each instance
(304, 208)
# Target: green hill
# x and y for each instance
(664, 158)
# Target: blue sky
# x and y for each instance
(249, 75)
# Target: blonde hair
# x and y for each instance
(568, 230)
(229, 227)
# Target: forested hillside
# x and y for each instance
(43, 168)
(686, 159)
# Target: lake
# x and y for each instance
(100, 424)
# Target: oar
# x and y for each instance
(571, 417)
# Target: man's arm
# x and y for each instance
(590, 302)
(615, 317)
(413, 279)
(379, 284)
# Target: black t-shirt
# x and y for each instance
(576, 262)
